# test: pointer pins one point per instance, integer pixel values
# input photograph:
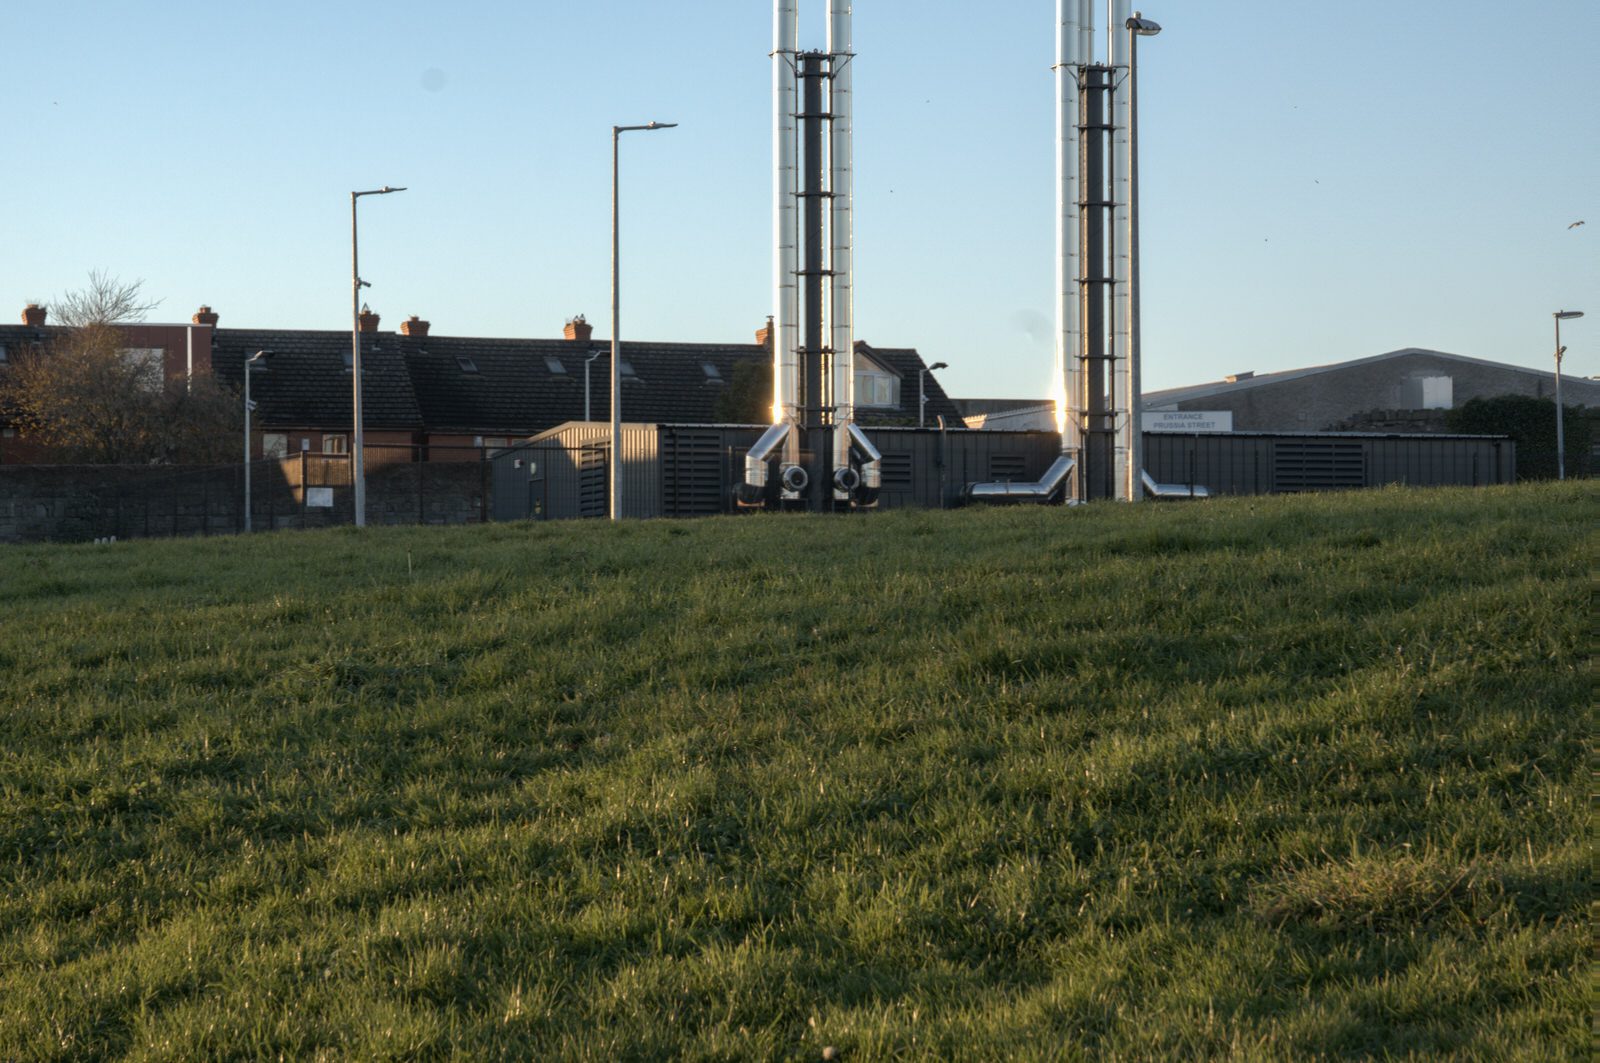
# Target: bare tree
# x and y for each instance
(106, 300)
(90, 398)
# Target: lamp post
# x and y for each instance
(587, 362)
(922, 391)
(358, 472)
(249, 363)
(1561, 437)
(1138, 26)
(616, 315)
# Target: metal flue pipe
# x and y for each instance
(1117, 238)
(1070, 39)
(785, 213)
(841, 258)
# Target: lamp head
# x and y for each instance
(938, 365)
(1142, 26)
(1568, 315)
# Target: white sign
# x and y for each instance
(319, 497)
(1188, 421)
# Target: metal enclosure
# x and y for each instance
(692, 470)
(1287, 463)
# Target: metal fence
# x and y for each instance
(405, 485)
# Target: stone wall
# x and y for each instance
(75, 503)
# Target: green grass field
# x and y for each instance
(1256, 779)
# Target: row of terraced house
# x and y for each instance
(430, 397)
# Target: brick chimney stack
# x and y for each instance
(368, 321)
(578, 329)
(205, 316)
(33, 315)
(764, 334)
(413, 326)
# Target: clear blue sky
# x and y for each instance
(1323, 180)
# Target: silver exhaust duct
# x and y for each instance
(753, 491)
(1043, 490)
(1155, 490)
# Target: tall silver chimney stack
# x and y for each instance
(824, 461)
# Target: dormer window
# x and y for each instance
(875, 385)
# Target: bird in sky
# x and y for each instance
(1575, 224)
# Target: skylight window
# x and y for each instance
(555, 365)
(710, 371)
(467, 364)
(625, 367)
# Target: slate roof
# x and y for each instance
(490, 386)
(424, 383)
(305, 383)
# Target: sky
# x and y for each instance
(1321, 180)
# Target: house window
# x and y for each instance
(146, 363)
(274, 445)
(337, 443)
(349, 360)
(494, 442)
(710, 371)
(874, 387)
(2, 354)
(625, 368)
(556, 366)
(467, 364)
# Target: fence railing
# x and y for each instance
(405, 484)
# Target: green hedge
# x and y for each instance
(1532, 423)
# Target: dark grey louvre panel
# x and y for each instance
(1317, 465)
(1007, 468)
(592, 501)
(692, 473)
(896, 472)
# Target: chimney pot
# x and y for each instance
(578, 330)
(413, 326)
(368, 321)
(33, 315)
(205, 316)
(764, 334)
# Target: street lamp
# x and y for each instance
(1561, 437)
(1138, 26)
(616, 314)
(358, 472)
(249, 363)
(922, 391)
(586, 363)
